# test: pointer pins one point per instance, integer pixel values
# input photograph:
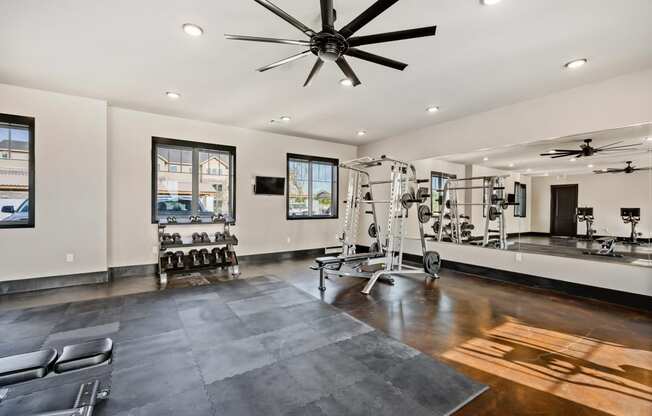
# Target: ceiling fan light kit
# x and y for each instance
(331, 45)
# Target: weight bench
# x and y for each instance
(48, 363)
(335, 263)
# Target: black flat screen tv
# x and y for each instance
(266, 185)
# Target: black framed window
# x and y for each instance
(192, 179)
(437, 182)
(520, 197)
(16, 171)
(311, 187)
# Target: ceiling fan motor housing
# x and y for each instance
(328, 46)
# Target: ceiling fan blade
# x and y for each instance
(563, 155)
(348, 71)
(314, 71)
(283, 15)
(268, 40)
(357, 53)
(623, 146)
(327, 15)
(566, 151)
(393, 36)
(612, 144)
(613, 149)
(367, 16)
(648, 168)
(284, 61)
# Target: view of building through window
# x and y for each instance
(14, 174)
(193, 181)
(312, 187)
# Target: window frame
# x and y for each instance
(334, 189)
(193, 146)
(30, 122)
(440, 175)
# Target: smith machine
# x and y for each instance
(385, 257)
(451, 223)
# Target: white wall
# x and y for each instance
(71, 189)
(261, 220)
(606, 193)
(617, 102)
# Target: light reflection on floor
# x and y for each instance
(577, 368)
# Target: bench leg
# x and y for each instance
(322, 281)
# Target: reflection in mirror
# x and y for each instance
(585, 196)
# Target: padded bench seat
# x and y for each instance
(24, 367)
(328, 260)
(87, 354)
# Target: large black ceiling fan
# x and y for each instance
(587, 150)
(333, 45)
(627, 169)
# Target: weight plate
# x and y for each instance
(422, 194)
(367, 196)
(424, 214)
(406, 200)
(373, 230)
(374, 247)
(431, 263)
(493, 213)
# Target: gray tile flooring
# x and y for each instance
(256, 346)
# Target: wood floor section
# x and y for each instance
(540, 353)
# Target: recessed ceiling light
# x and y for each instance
(528, 170)
(551, 151)
(285, 118)
(432, 109)
(192, 29)
(362, 133)
(589, 166)
(173, 95)
(511, 165)
(573, 160)
(649, 139)
(485, 158)
(576, 63)
(346, 82)
(489, 2)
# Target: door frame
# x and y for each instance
(553, 217)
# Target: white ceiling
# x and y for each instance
(526, 157)
(130, 52)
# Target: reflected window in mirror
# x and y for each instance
(520, 192)
(437, 182)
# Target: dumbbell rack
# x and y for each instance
(228, 243)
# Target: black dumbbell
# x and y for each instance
(169, 264)
(223, 256)
(205, 238)
(194, 255)
(166, 238)
(205, 256)
(196, 238)
(176, 238)
(179, 259)
(216, 253)
(219, 237)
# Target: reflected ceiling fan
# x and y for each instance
(332, 45)
(587, 150)
(628, 169)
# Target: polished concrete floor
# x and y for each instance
(540, 353)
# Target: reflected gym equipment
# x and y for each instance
(631, 216)
(585, 215)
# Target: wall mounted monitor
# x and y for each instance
(630, 212)
(266, 185)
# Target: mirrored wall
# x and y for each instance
(586, 196)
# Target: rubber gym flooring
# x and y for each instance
(256, 346)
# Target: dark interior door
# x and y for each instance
(563, 205)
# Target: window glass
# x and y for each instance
(16, 172)
(193, 181)
(312, 187)
(174, 187)
(437, 182)
(214, 183)
(298, 193)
